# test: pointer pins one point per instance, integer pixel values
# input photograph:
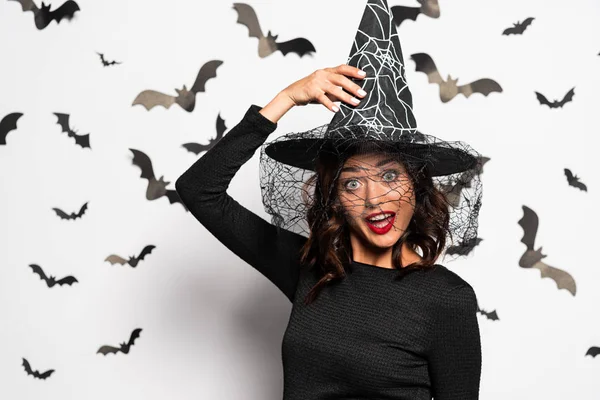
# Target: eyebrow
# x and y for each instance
(379, 164)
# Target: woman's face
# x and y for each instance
(371, 186)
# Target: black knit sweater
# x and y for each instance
(366, 337)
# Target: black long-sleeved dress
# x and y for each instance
(367, 337)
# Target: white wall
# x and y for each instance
(212, 325)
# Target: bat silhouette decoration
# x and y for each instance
(532, 258)
(156, 187)
(133, 260)
(573, 180)
(43, 16)
(63, 121)
(185, 98)
(491, 315)
(36, 373)
(50, 281)
(518, 27)
(196, 148)
(8, 124)
(449, 88)
(430, 8)
(454, 190)
(123, 347)
(107, 63)
(464, 248)
(64, 215)
(556, 104)
(593, 351)
(268, 45)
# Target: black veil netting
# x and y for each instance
(288, 179)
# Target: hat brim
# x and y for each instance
(302, 153)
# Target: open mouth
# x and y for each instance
(382, 222)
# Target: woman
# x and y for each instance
(355, 330)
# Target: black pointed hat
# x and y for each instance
(385, 118)
(384, 114)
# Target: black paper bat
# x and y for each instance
(518, 27)
(185, 98)
(196, 148)
(133, 260)
(123, 347)
(267, 45)
(36, 373)
(64, 215)
(7, 124)
(491, 315)
(430, 8)
(107, 63)
(448, 88)
(43, 16)
(593, 351)
(556, 104)
(532, 258)
(463, 249)
(63, 121)
(573, 180)
(50, 281)
(156, 188)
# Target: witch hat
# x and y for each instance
(385, 114)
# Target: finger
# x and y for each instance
(347, 84)
(341, 94)
(349, 70)
(324, 99)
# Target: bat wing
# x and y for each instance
(134, 335)
(196, 148)
(8, 123)
(61, 213)
(593, 351)
(424, 63)
(207, 71)
(527, 22)
(152, 98)
(568, 97)
(563, 279)
(143, 161)
(484, 86)
(108, 349)
(513, 30)
(300, 46)
(147, 250)
(115, 259)
(542, 99)
(402, 13)
(529, 222)
(221, 127)
(81, 210)
(28, 5)
(247, 17)
(66, 10)
(67, 280)
(38, 270)
(174, 198)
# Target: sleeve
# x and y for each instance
(455, 353)
(273, 251)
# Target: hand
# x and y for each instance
(326, 86)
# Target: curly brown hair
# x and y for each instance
(328, 246)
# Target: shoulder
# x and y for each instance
(452, 292)
(445, 279)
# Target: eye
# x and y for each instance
(350, 181)
(392, 174)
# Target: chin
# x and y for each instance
(382, 241)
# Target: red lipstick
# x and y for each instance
(378, 227)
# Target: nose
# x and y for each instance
(374, 193)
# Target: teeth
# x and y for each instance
(380, 217)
